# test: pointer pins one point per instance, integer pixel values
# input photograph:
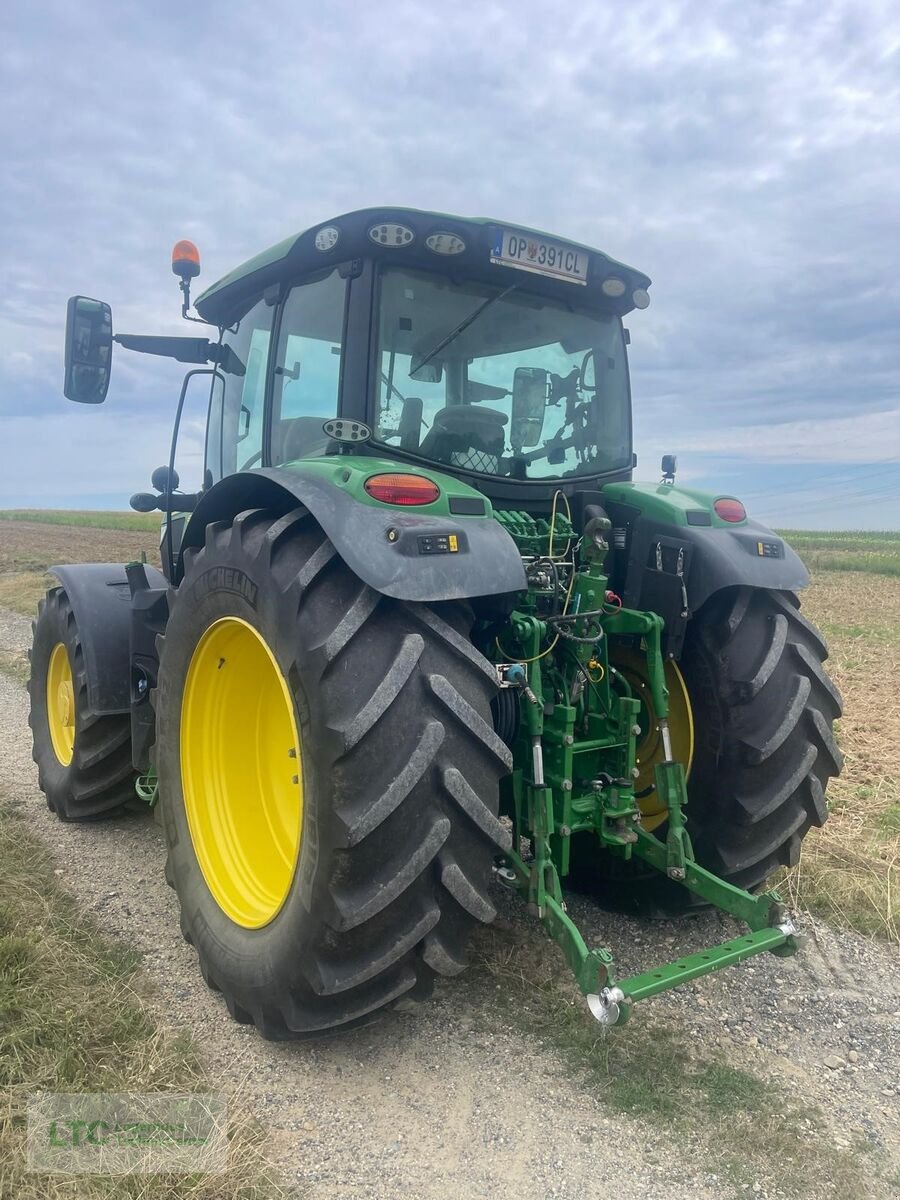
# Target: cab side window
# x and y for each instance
(235, 437)
(308, 367)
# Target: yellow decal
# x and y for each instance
(453, 543)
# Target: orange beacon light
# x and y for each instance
(186, 260)
(186, 265)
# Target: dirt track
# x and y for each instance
(453, 1101)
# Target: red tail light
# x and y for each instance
(730, 509)
(402, 489)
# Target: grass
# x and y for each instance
(73, 1018)
(875, 553)
(14, 663)
(91, 520)
(21, 591)
(747, 1129)
(849, 871)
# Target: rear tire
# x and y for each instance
(400, 772)
(763, 710)
(98, 778)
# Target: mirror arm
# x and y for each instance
(183, 349)
(188, 350)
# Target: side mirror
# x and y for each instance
(529, 404)
(88, 350)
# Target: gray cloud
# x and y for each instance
(745, 156)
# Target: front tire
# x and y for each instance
(397, 772)
(83, 758)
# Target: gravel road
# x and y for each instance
(452, 1101)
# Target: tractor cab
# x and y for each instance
(492, 351)
(498, 353)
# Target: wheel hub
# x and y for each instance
(241, 772)
(61, 704)
(632, 668)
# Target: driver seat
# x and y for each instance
(465, 436)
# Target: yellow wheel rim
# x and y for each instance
(632, 665)
(61, 704)
(241, 772)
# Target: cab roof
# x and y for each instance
(351, 236)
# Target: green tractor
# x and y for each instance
(418, 629)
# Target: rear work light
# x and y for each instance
(402, 489)
(730, 509)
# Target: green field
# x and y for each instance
(826, 550)
(82, 519)
(833, 550)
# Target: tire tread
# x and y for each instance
(411, 769)
(99, 781)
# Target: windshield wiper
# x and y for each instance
(463, 325)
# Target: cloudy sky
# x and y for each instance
(745, 155)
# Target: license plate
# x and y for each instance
(540, 255)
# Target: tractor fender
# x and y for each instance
(712, 558)
(101, 601)
(395, 551)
